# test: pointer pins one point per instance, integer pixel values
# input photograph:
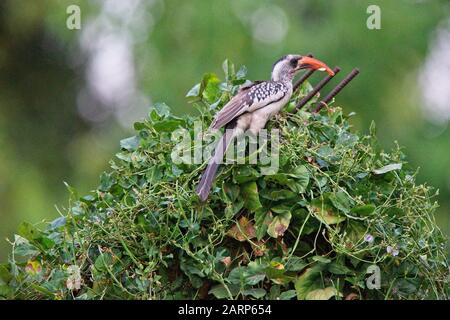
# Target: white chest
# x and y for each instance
(260, 117)
(274, 107)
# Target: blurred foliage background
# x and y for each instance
(68, 96)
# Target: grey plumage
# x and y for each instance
(250, 110)
(249, 99)
(205, 183)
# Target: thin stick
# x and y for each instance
(303, 78)
(316, 89)
(337, 89)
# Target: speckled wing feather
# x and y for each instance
(247, 86)
(249, 98)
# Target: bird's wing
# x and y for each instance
(247, 86)
(249, 98)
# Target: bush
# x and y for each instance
(336, 206)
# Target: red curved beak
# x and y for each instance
(311, 63)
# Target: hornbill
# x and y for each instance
(251, 108)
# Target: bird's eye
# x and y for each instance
(293, 62)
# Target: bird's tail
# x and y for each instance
(205, 184)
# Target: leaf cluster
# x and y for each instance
(336, 206)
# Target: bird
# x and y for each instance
(251, 108)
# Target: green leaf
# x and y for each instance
(280, 178)
(338, 269)
(168, 125)
(347, 139)
(232, 209)
(28, 231)
(231, 191)
(277, 194)
(247, 276)
(106, 182)
(389, 167)
(297, 181)
(281, 209)
(355, 231)
(297, 186)
(138, 126)
(161, 109)
(22, 247)
(130, 144)
(46, 242)
(253, 279)
(237, 276)
(211, 91)
(221, 292)
(321, 294)
(274, 293)
(365, 210)
(194, 92)
(228, 69)
(372, 129)
(35, 236)
(327, 155)
(241, 73)
(89, 197)
(256, 293)
(295, 264)
(300, 172)
(251, 197)
(321, 259)
(5, 291)
(176, 171)
(243, 174)
(299, 216)
(279, 225)
(341, 201)
(275, 271)
(263, 218)
(5, 275)
(124, 156)
(407, 286)
(103, 262)
(154, 174)
(207, 89)
(308, 281)
(325, 212)
(288, 295)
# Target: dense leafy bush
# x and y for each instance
(336, 206)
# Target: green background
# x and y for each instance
(68, 96)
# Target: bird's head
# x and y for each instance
(286, 67)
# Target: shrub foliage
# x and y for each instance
(336, 206)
